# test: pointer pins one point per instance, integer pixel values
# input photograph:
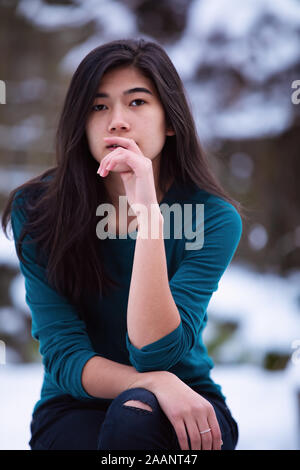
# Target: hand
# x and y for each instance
(188, 412)
(135, 171)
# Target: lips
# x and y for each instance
(114, 146)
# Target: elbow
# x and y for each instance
(65, 371)
(163, 354)
(154, 363)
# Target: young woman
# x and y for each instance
(119, 312)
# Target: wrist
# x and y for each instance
(150, 222)
(151, 380)
(148, 212)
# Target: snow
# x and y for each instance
(20, 389)
(52, 17)
(13, 176)
(101, 12)
(263, 404)
(265, 305)
(255, 40)
(7, 248)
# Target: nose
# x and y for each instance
(118, 122)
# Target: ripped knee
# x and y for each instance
(138, 404)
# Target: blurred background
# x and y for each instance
(238, 61)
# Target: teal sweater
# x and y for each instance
(67, 342)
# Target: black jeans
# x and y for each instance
(64, 423)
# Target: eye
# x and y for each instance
(96, 107)
(138, 100)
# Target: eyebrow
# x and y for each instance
(127, 92)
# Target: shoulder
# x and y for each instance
(218, 210)
(215, 206)
(23, 201)
(31, 190)
(217, 215)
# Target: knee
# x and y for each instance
(134, 420)
(138, 404)
(138, 398)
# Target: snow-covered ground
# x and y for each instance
(264, 405)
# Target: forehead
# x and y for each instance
(121, 78)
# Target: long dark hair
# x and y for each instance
(60, 204)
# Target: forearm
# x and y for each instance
(151, 312)
(103, 378)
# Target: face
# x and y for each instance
(124, 112)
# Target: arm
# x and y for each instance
(182, 406)
(149, 293)
(115, 378)
(191, 286)
(68, 355)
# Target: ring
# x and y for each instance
(206, 430)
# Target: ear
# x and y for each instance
(170, 131)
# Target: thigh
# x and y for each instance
(128, 427)
(66, 428)
(131, 427)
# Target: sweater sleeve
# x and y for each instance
(64, 343)
(192, 286)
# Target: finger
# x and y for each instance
(136, 164)
(119, 164)
(108, 157)
(193, 433)
(206, 437)
(119, 167)
(129, 144)
(215, 431)
(106, 166)
(181, 433)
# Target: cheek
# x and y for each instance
(157, 128)
(94, 137)
(154, 145)
(154, 130)
(161, 125)
(160, 132)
